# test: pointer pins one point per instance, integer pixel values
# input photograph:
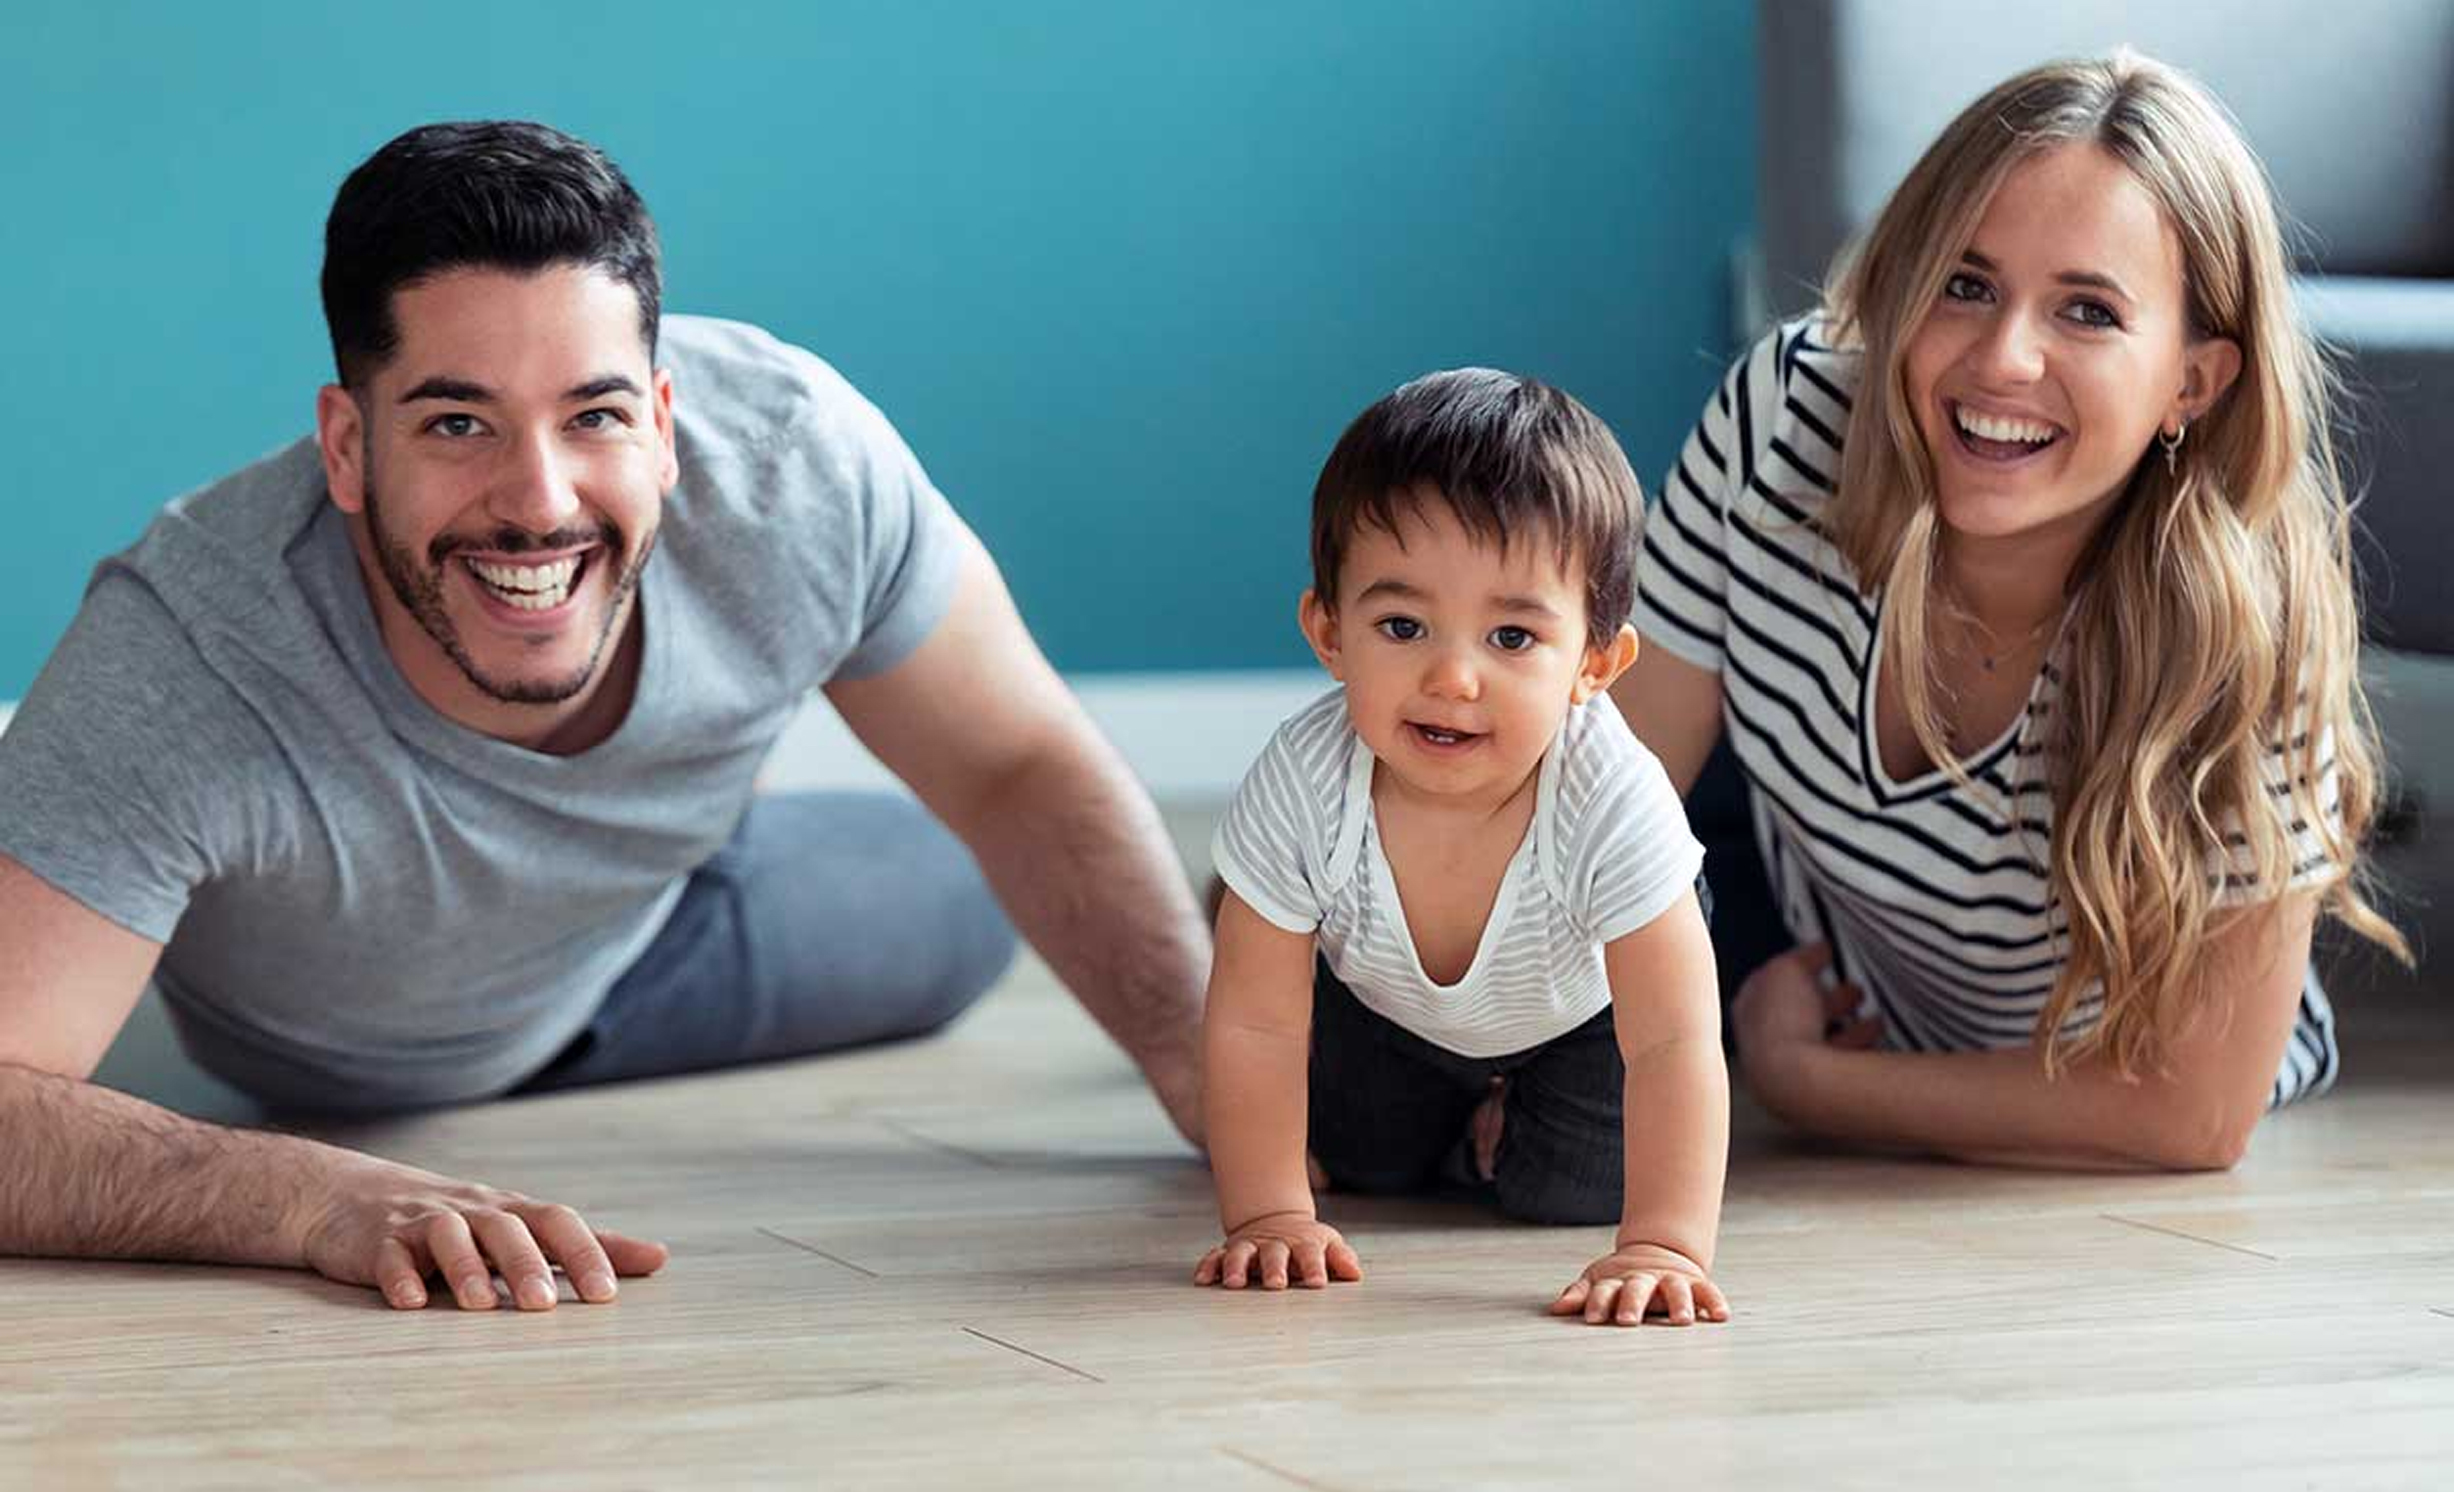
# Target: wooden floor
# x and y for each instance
(963, 1263)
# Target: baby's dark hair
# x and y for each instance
(1511, 457)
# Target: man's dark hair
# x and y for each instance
(1514, 458)
(501, 194)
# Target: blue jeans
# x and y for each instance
(828, 920)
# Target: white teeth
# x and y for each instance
(1997, 427)
(528, 587)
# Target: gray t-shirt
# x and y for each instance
(364, 903)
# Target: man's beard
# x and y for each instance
(420, 593)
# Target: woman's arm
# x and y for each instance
(2000, 1108)
(1673, 707)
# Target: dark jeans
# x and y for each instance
(828, 920)
(1389, 1112)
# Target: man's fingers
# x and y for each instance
(1344, 1262)
(454, 1249)
(398, 1275)
(568, 1241)
(632, 1257)
(516, 1257)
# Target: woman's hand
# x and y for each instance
(1784, 1011)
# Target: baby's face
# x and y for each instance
(1459, 660)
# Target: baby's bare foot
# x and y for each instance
(1483, 1129)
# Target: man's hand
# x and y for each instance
(391, 1226)
(1277, 1245)
(1617, 1289)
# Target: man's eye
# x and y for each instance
(454, 425)
(1511, 639)
(599, 419)
(1400, 628)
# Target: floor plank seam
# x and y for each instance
(942, 1147)
(2441, 1311)
(1277, 1471)
(1034, 1356)
(2132, 1222)
(811, 1248)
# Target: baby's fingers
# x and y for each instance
(1344, 1262)
(1207, 1271)
(1678, 1300)
(1711, 1304)
(1274, 1264)
(1310, 1262)
(1633, 1300)
(1572, 1299)
(1235, 1266)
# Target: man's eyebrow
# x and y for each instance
(601, 385)
(459, 390)
(2089, 278)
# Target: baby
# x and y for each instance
(1460, 941)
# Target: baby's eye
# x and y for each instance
(1512, 639)
(1400, 628)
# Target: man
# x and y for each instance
(414, 763)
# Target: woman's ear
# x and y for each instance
(2208, 367)
(1604, 664)
(1320, 628)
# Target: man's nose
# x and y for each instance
(534, 491)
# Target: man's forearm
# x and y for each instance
(1079, 858)
(89, 1173)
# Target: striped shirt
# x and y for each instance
(1936, 901)
(1607, 851)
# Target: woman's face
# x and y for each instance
(2059, 347)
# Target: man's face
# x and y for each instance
(505, 470)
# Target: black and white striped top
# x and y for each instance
(1607, 851)
(1936, 901)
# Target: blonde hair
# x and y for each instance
(2213, 611)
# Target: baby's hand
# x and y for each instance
(1275, 1243)
(1616, 1288)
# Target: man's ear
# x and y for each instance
(1320, 627)
(340, 437)
(1604, 664)
(670, 470)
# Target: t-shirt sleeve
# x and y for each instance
(912, 542)
(2299, 787)
(118, 774)
(1262, 848)
(1682, 573)
(1634, 856)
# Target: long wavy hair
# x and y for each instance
(2213, 610)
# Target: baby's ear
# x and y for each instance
(1320, 628)
(1604, 664)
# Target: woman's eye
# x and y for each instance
(2094, 313)
(1511, 639)
(1400, 628)
(1965, 286)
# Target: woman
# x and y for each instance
(2020, 575)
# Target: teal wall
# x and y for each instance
(1120, 271)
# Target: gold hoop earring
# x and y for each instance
(2172, 446)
